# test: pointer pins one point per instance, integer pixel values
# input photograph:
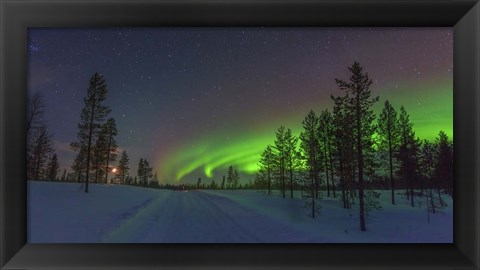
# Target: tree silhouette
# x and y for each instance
(291, 157)
(123, 166)
(358, 87)
(324, 135)
(53, 168)
(110, 131)
(223, 183)
(444, 167)
(144, 172)
(311, 153)
(280, 157)
(91, 119)
(407, 153)
(388, 136)
(343, 123)
(266, 165)
(41, 151)
(35, 109)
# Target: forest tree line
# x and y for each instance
(344, 152)
(96, 144)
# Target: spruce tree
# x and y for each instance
(267, 164)
(123, 166)
(360, 102)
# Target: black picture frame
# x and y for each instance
(17, 16)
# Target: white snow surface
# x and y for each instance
(64, 213)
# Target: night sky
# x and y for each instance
(193, 101)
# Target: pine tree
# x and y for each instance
(141, 170)
(35, 110)
(260, 180)
(344, 147)
(155, 177)
(64, 175)
(230, 177)
(41, 150)
(213, 185)
(236, 179)
(99, 151)
(53, 168)
(311, 152)
(280, 157)
(91, 119)
(198, 182)
(144, 172)
(79, 164)
(123, 166)
(360, 102)
(266, 165)
(427, 164)
(388, 136)
(34, 124)
(406, 153)
(444, 164)
(291, 157)
(110, 130)
(223, 183)
(325, 134)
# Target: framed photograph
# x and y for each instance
(192, 134)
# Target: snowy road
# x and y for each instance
(189, 217)
(62, 213)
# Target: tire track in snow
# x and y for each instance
(263, 225)
(192, 219)
(133, 226)
(225, 222)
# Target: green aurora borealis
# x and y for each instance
(243, 150)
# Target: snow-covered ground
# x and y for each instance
(63, 213)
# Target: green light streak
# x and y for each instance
(430, 106)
